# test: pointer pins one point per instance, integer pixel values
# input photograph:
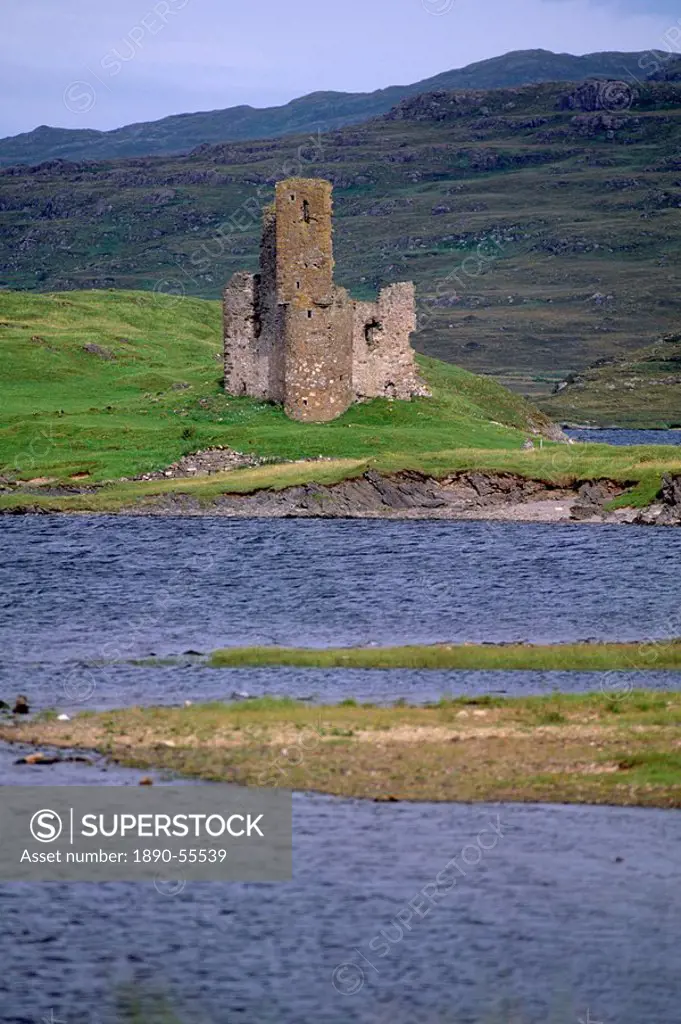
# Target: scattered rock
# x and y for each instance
(146, 781)
(21, 706)
(63, 718)
(592, 496)
(41, 759)
(97, 350)
(203, 463)
(671, 490)
(408, 494)
(667, 510)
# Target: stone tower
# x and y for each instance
(296, 338)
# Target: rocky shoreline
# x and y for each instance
(407, 495)
(468, 495)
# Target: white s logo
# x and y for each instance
(46, 826)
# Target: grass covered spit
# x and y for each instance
(578, 657)
(593, 748)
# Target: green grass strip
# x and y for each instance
(580, 657)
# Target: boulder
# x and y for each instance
(592, 497)
(38, 758)
(666, 511)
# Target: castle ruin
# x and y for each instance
(294, 337)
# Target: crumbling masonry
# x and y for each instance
(293, 337)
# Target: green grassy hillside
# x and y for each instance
(642, 389)
(540, 237)
(110, 384)
(317, 111)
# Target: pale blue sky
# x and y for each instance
(78, 63)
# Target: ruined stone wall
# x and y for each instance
(293, 337)
(318, 375)
(245, 373)
(269, 311)
(383, 359)
(304, 242)
(317, 316)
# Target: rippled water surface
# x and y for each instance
(620, 436)
(71, 689)
(570, 908)
(573, 911)
(109, 588)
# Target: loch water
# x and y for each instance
(573, 914)
(106, 589)
(621, 435)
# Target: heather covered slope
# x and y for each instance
(641, 389)
(541, 234)
(320, 111)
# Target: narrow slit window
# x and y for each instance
(306, 211)
(372, 333)
(309, 314)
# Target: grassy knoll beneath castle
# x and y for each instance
(114, 384)
(102, 385)
(593, 748)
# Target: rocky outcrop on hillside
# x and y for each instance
(440, 105)
(593, 95)
(512, 111)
